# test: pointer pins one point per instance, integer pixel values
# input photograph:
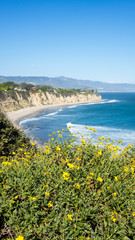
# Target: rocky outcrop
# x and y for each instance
(10, 101)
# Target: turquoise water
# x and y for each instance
(114, 117)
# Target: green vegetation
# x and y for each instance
(11, 138)
(8, 86)
(66, 191)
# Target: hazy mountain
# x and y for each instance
(64, 82)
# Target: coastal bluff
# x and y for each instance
(15, 100)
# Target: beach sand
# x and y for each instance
(16, 116)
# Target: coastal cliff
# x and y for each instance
(15, 100)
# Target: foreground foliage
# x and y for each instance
(68, 191)
(11, 138)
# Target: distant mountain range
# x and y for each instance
(64, 82)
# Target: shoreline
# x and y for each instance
(16, 116)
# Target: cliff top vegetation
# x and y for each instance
(8, 86)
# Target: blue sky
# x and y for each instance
(84, 39)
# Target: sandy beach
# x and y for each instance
(16, 116)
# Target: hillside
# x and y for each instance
(65, 191)
(64, 82)
(16, 98)
(11, 139)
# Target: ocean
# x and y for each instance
(113, 118)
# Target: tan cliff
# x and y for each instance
(11, 101)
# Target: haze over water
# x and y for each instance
(114, 117)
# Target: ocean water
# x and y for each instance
(114, 117)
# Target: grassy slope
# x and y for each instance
(66, 191)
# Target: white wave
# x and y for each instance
(73, 106)
(102, 102)
(109, 101)
(28, 120)
(127, 136)
(54, 113)
(113, 100)
(50, 114)
(32, 119)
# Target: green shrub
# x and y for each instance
(68, 191)
(10, 137)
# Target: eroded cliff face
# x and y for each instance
(17, 100)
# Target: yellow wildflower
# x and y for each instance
(52, 139)
(66, 176)
(118, 148)
(99, 179)
(113, 219)
(12, 202)
(20, 237)
(7, 163)
(101, 143)
(70, 165)
(91, 173)
(50, 204)
(34, 198)
(114, 194)
(16, 196)
(132, 170)
(5, 186)
(89, 177)
(45, 186)
(70, 217)
(57, 148)
(133, 214)
(83, 141)
(70, 146)
(47, 193)
(120, 141)
(99, 152)
(77, 186)
(125, 169)
(54, 133)
(116, 179)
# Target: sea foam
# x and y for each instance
(128, 136)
